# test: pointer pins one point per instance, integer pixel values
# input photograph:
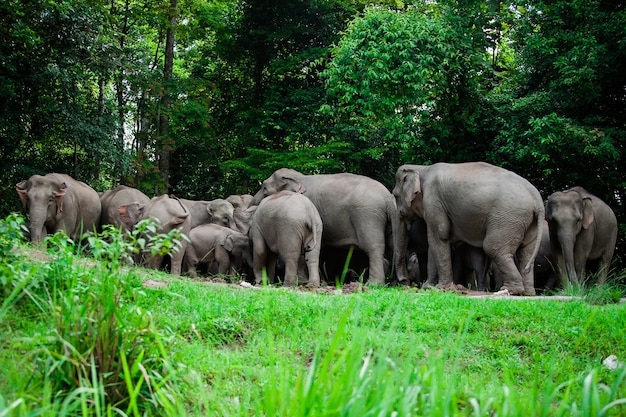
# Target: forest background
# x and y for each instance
(205, 98)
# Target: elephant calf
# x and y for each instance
(214, 243)
(287, 224)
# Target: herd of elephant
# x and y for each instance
(445, 224)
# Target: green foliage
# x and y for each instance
(101, 351)
(185, 348)
(405, 84)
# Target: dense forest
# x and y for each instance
(205, 98)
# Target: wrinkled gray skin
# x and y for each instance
(475, 202)
(355, 210)
(218, 211)
(112, 200)
(240, 201)
(58, 202)
(215, 243)
(171, 214)
(287, 224)
(582, 228)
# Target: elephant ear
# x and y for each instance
(229, 243)
(588, 216)
(294, 185)
(59, 196)
(131, 213)
(22, 192)
(412, 188)
(209, 210)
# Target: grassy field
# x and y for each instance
(89, 337)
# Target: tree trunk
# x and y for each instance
(165, 141)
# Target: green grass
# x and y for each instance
(80, 337)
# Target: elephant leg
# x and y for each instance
(312, 259)
(525, 256)
(291, 271)
(603, 267)
(501, 248)
(270, 266)
(511, 277)
(439, 255)
(177, 262)
(430, 271)
(259, 258)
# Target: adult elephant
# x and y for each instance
(582, 228)
(483, 205)
(171, 214)
(59, 202)
(355, 210)
(112, 200)
(288, 225)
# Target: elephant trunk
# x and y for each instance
(566, 240)
(401, 238)
(38, 219)
(256, 200)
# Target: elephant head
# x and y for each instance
(568, 213)
(42, 197)
(221, 212)
(408, 193)
(282, 179)
(238, 245)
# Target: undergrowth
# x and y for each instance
(81, 336)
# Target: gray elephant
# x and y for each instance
(582, 228)
(112, 200)
(218, 211)
(355, 210)
(240, 201)
(171, 214)
(288, 225)
(475, 202)
(215, 243)
(59, 202)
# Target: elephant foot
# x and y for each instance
(447, 287)
(530, 292)
(428, 285)
(514, 289)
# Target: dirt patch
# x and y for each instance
(150, 283)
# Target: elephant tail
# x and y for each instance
(538, 216)
(313, 238)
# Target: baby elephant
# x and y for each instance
(214, 243)
(286, 224)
